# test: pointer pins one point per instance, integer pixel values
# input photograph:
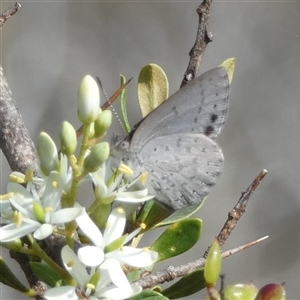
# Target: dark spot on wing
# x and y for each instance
(175, 111)
(167, 148)
(213, 117)
(178, 143)
(208, 130)
(199, 109)
(196, 120)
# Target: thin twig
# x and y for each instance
(172, 273)
(202, 39)
(9, 13)
(239, 209)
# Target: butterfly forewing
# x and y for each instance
(198, 107)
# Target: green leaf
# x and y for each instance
(187, 285)
(153, 88)
(124, 106)
(178, 238)
(181, 214)
(46, 274)
(149, 295)
(7, 277)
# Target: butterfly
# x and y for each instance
(175, 143)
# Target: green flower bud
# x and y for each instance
(47, 153)
(98, 155)
(213, 264)
(271, 291)
(103, 122)
(68, 139)
(88, 100)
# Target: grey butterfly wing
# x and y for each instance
(199, 107)
(174, 143)
(181, 168)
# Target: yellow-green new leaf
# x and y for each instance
(124, 106)
(153, 88)
(229, 65)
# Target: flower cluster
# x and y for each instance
(36, 207)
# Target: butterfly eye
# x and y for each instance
(124, 145)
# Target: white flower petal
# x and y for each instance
(131, 199)
(115, 225)
(11, 232)
(99, 182)
(89, 228)
(44, 231)
(53, 191)
(91, 256)
(138, 258)
(62, 292)
(26, 208)
(116, 273)
(121, 293)
(66, 215)
(74, 266)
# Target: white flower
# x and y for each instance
(109, 251)
(120, 193)
(95, 284)
(35, 213)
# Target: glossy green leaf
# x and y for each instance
(187, 285)
(7, 277)
(149, 295)
(178, 238)
(153, 88)
(46, 274)
(124, 106)
(181, 214)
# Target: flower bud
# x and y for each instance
(98, 155)
(103, 122)
(88, 100)
(47, 153)
(213, 264)
(68, 139)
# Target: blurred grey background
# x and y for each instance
(49, 46)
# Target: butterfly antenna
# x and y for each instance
(110, 104)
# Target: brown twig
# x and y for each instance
(172, 273)
(15, 141)
(9, 13)
(239, 209)
(202, 39)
